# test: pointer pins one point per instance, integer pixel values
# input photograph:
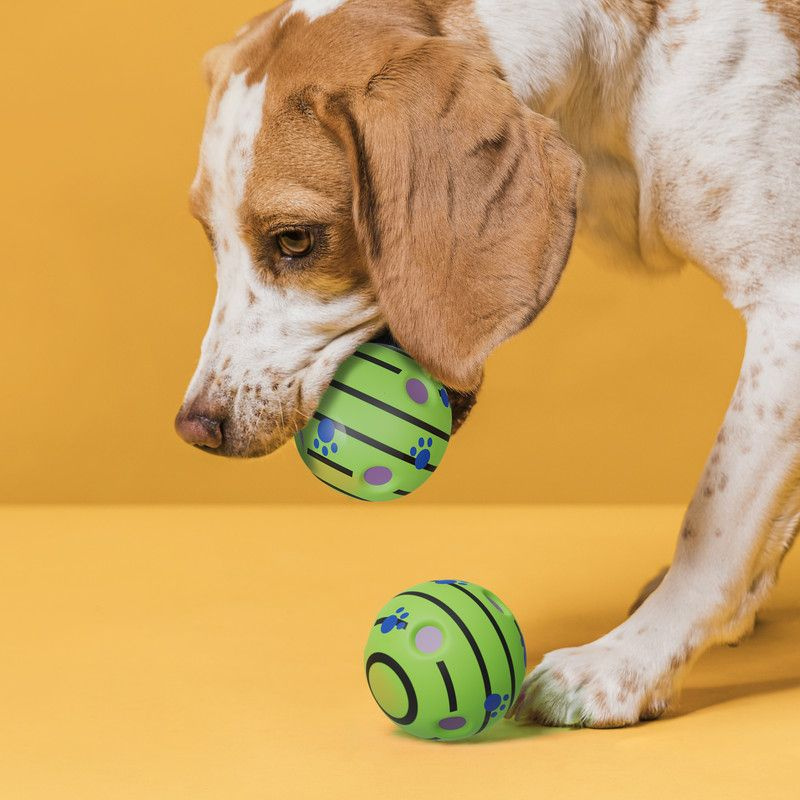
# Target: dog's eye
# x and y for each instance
(295, 242)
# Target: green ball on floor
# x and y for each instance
(381, 428)
(445, 659)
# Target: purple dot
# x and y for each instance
(378, 476)
(428, 639)
(452, 723)
(417, 391)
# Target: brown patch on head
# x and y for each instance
(464, 201)
(687, 532)
(388, 131)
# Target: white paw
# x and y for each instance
(599, 685)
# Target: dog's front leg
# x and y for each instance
(741, 521)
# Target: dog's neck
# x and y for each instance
(580, 63)
(576, 62)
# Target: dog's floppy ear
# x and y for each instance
(464, 202)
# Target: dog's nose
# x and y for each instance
(199, 429)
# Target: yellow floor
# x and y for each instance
(216, 653)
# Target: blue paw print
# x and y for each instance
(326, 430)
(444, 397)
(396, 620)
(495, 704)
(422, 453)
(452, 580)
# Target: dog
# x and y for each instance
(419, 169)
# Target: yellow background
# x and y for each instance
(614, 395)
(204, 654)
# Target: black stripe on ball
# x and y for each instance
(413, 707)
(497, 630)
(448, 685)
(333, 464)
(470, 639)
(397, 412)
(378, 362)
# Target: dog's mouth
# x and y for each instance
(242, 440)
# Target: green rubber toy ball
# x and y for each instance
(445, 659)
(381, 428)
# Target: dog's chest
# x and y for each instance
(611, 225)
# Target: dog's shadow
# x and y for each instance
(764, 663)
(699, 697)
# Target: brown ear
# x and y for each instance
(464, 202)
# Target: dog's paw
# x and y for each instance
(599, 685)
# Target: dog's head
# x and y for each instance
(360, 173)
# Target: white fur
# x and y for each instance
(534, 42)
(313, 9)
(745, 140)
(690, 140)
(276, 347)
